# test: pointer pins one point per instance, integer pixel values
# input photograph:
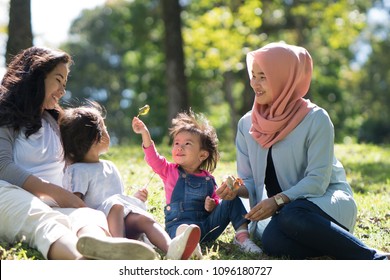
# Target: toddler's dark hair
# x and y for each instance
(81, 127)
(197, 123)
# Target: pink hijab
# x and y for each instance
(288, 70)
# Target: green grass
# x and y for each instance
(367, 168)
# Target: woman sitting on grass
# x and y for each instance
(285, 144)
(33, 205)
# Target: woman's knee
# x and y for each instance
(294, 219)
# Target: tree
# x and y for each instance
(373, 89)
(119, 62)
(321, 27)
(218, 34)
(19, 28)
(176, 82)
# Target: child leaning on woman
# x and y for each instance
(98, 183)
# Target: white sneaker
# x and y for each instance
(198, 251)
(248, 246)
(184, 244)
(110, 248)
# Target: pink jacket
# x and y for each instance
(169, 172)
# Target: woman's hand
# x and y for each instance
(264, 209)
(66, 199)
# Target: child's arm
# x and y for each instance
(211, 201)
(140, 128)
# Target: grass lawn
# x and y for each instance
(367, 168)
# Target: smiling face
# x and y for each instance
(187, 152)
(55, 84)
(259, 84)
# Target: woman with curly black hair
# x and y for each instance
(34, 207)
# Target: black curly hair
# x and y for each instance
(22, 89)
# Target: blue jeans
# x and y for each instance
(187, 207)
(302, 230)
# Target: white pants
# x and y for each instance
(24, 217)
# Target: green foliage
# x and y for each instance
(320, 27)
(18, 251)
(120, 60)
(375, 129)
(218, 35)
(216, 38)
(374, 92)
(119, 63)
(367, 169)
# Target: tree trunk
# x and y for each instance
(228, 82)
(176, 82)
(19, 28)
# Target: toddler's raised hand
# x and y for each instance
(138, 125)
(140, 128)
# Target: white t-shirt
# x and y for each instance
(101, 185)
(41, 154)
(95, 181)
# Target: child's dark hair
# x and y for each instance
(81, 127)
(197, 123)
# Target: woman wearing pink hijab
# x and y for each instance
(285, 148)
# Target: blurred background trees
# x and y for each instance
(175, 54)
(19, 28)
